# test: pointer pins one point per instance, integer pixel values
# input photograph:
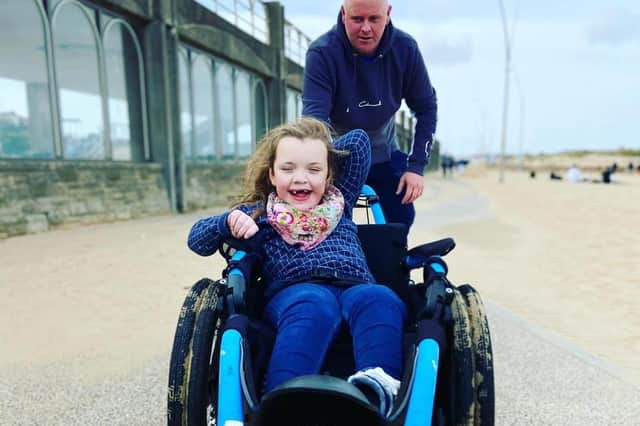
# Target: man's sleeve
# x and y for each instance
(317, 88)
(421, 99)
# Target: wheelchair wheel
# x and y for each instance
(180, 353)
(201, 406)
(484, 390)
(463, 365)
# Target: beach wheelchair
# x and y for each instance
(221, 347)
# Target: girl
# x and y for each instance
(314, 270)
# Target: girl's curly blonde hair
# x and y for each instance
(256, 183)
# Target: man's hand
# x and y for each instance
(241, 225)
(414, 185)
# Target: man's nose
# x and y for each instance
(366, 27)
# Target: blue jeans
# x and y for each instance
(308, 317)
(384, 179)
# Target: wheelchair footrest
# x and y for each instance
(319, 399)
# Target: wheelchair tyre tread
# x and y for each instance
(197, 379)
(463, 364)
(180, 354)
(483, 354)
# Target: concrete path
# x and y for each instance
(87, 317)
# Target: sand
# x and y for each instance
(563, 256)
(102, 300)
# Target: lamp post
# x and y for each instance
(505, 99)
(521, 120)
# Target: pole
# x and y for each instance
(505, 99)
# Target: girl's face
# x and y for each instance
(299, 172)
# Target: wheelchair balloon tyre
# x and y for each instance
(181, 354)
(484, 410)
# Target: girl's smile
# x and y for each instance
(300, 170)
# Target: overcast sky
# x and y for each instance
(575, 82)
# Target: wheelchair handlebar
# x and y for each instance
(439, 290)
(237, 284)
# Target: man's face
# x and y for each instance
(365, 21)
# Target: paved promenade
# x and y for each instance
(87, 317)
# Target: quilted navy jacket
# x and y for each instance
(338, 259)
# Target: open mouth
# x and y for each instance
(300, 194)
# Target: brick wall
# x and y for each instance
(37, 196)
(213, 184)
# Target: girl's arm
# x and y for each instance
(207, 234)
(354, 168)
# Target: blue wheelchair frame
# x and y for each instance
(421, 392)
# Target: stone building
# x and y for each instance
(117, 109)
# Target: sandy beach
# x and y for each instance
(100, 301)
(565, 256)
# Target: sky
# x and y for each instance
(575, 70)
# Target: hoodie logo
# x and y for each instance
(365, 104)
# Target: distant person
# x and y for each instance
(606, 175)
(356, 76)
(532, 174)
(461, 165)
(447, 165)
(554, 176)
(574, 175)
(630, 167)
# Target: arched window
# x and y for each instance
(77, 73)
(261, 109)
(292, 105)
(225, 103)
(203, 113)
(26, 129)
(244, 124)
(186, 113)
(123, 67)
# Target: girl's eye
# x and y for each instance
(315, 170)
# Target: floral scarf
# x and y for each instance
(306, 228)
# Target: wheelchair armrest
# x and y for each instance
(417, 256)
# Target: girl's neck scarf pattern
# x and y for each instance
(306, 228)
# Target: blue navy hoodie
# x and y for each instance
(349, 91)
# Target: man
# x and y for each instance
(356, 76)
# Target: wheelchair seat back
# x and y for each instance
(385, 247)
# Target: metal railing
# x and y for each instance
(248, 15)
(296, 43)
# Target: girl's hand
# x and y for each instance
(241, 225)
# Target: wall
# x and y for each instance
(37, 196)
(213, 184)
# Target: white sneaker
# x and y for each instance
(383, 385)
